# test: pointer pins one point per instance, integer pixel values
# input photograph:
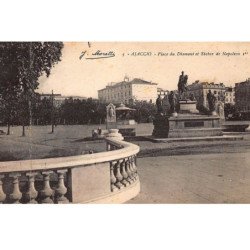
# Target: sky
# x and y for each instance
(150, 61)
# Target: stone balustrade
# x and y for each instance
(106, 177)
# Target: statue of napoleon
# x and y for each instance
(182, 84)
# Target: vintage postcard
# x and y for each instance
(124, 122)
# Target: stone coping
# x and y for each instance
(196, 129)
(182, 117)
(191, 139)
(126, 149)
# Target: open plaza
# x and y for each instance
(170, 172)
(122, 140)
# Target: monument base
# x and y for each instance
(187, 123)
(188, 106)
(192, 125)
(161, 126)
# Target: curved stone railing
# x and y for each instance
(106, 177)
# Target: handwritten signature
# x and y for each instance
(96, 55)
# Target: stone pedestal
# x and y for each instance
(174, 114)
(161, 126)
(114, 134)
(188, 107)
(191, 125)
(187, 123)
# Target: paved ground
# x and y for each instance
(207, 178)
(178, 172)
(40, 143)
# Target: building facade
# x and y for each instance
(200, 90)
(127, 91)
(230, 95)
(162, 92)
(59, 99)
(242, 96)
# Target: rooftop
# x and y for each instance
(59, 96)
(126, 82)
(216, 85)
(247, 82)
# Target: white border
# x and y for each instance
(129, 20)
(127, 226)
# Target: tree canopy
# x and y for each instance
(21, 65)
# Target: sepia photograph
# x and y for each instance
(124, 122)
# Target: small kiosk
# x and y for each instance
(121, 118)
(125, 115)
(125, 120)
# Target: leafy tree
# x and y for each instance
(89, 111)
(231, 111)
(21, 65)
(145, 111)
(42, 111)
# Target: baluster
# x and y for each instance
(134, 167)
(46, 192)
(31, 195)
(16, 195)
(118, 176)
(112, 177)
(108, 146)
(130, 177)
(124, 174)
(61, 189)
(2, 194)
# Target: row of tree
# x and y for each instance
(70, 112)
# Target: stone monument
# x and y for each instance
(161, 124)
(211, 102)
(111, 124)
(187, 104)
(182, 84)
(187, 122)
(220, 110)
(159, 104)
(165, 104)
(173, 102)
(111, 117)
